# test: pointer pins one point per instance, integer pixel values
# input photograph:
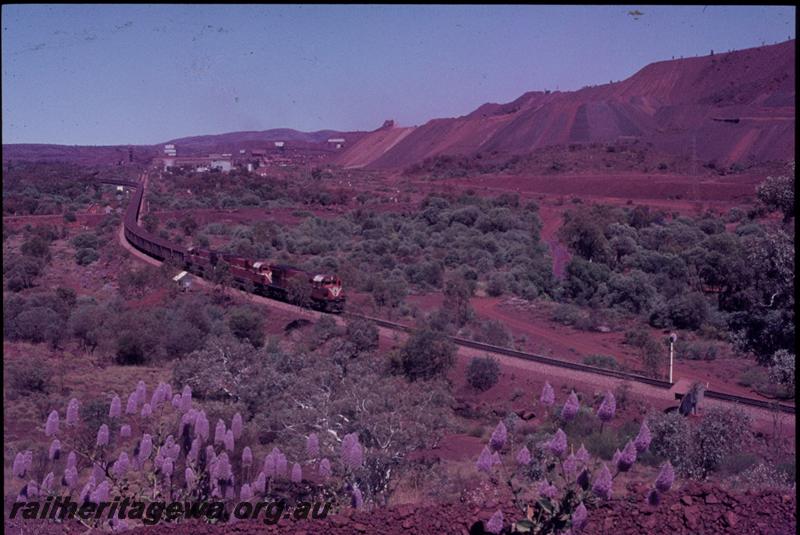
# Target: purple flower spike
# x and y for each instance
(484, 463)
(51, 427)
(546, 489)
(607, 408)
(312, 445)
(602, 483)
(579, 517)
(19, 467)
(616, 456)
(141, 392)
(558, 444)
(201, 426)
(70, 477)
(219, 433)
(125, 431)
(228, 440)
(269, 465)
(186, 398)
(297, 473)
(260, 484)
(237, 426)
(352, 452)
(548, 397)
(101, 492)
(102, 435)
(499, 436)
(665, 478)
(582, 456)
(55, 450)
(357, 498)
(167, 467)
(121, 465)
(72, 412)
(571, 408)
(86, 492)
(47, 483)
(524, 456)
(145, 448)
(496, 459)
(147, 410)
(324, 469)
(627, 458)
(495, 524)
(281, 463)
(116, 407)
(643, 439)
(247, 457)
(133, 404)
(571, 466)
(158, 396)
(33, 489)
(245, 493)
(190, 477)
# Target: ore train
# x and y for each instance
(278, 281)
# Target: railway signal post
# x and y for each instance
(672, 338)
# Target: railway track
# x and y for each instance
(136, 235)
(666, 385)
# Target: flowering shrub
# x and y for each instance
(761, 476)
(698, 450)
(570, 482)
(161, 449)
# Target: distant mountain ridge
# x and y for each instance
(731, 107)
(230, 142)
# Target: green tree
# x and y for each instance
(150, 223)
(363, 334)
(777, 193)
(37, 247)
(427, 354)
(483, 372)
(86, 324)
(188, 224)
(457, 294)
(247, 324)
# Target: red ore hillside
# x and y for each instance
(735, 107)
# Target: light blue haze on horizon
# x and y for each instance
(144, 74)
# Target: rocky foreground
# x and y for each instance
(692, 509)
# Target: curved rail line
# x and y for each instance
(138, 237)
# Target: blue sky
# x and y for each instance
(118, 74)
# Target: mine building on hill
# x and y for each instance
(336, 142)
(223, 162)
